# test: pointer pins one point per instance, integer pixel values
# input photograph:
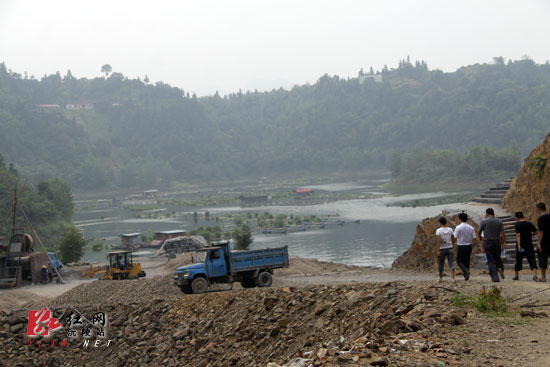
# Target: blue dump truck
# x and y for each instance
(218, 264)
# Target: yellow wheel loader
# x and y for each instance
(121, 266)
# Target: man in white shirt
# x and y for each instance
(465, 235)
(445, 241)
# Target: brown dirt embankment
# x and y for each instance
(532, 183)
(422, 255)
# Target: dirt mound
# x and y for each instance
(180, 260)
(532, 183)
(422, 255)
(103, 292)
(344, 325)
(299, 266)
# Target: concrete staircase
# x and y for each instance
(495, 194)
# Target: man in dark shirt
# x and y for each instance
(544, 239)
(493, 230)
(524, 232)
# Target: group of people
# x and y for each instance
(493, 238)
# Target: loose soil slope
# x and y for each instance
(531, 185)
(423, 252)
(343, 324)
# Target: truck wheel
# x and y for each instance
(186, 289)
(199, 285)
(248, 283)
(264, 279)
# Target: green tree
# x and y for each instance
(243, 237)
(71, 246)
(106, 69)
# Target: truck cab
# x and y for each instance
(210, 263)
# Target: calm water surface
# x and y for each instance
(384, 232)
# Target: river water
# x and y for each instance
(382, 233)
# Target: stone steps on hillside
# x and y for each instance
(487, 201)
(495, 194)
(492, 196)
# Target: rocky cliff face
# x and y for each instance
(422, 255)
(532, 183)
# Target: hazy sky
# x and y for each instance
(204, 46)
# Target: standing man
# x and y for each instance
(50, 272)
(493, 230)
(445, 243)
(544, 239)
(465, 235)
(524, 231)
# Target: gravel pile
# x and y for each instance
(151, 323)
(101, 292)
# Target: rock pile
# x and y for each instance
(364, 324)
(100, 292)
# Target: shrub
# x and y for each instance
(72, 244)
(489, 301)
(243, 237)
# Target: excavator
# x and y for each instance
(121, 266)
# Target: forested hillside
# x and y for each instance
(140, 134)
(49, 204)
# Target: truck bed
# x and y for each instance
(258, 259)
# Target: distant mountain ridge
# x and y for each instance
(138, 134)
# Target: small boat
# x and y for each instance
(341, 223)
(357, 221)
